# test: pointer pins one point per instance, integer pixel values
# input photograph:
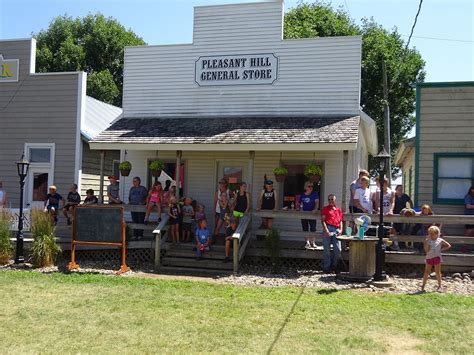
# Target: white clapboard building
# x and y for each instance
(239, 101)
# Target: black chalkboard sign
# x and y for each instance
(98, 224)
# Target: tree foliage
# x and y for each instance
(405, 67)
(94, 44)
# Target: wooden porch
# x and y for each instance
(248, 243)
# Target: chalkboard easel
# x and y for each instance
(98, 225)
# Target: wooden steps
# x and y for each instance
(182, 259)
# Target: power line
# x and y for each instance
(414, 24)
(442, 39)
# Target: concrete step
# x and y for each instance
(174, 270)
(196, 264)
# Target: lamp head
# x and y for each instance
(22, 166)
(384, 158)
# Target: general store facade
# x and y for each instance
(239, 101)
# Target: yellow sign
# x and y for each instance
(9, 69)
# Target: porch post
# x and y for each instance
(345, 155)
(101, 173)
(178, 173)
(250, 174)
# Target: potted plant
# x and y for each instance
(125, 167)
(313, 172)
(280, 173)
(156, 166)
(6, 250)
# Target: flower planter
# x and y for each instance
(314, 178)
(156, 173)
(125, 172)
(280, 178)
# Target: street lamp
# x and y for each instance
(384, 158)
(22, 167)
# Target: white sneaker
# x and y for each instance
(314, 246)
(308, 245)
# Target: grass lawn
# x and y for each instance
(85, 313)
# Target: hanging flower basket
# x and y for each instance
(313, 172)
(280, 173)
(125, 167)
(156, 167)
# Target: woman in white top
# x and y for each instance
(362, 196)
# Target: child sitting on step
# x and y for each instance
(203, 238)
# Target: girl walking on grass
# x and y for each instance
(434, 245)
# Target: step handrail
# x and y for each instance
(158, 232)
(238, 237)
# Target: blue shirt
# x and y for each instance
(309, 201)
(202, 235)
(137, 195)
(469, 200)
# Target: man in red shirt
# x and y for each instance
(331, 218)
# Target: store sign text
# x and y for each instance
(8, 69)
(246, 69)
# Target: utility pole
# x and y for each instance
(386, 122)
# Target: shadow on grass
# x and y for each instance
(328, 291)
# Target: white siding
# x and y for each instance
(316, 75)
(201, 173)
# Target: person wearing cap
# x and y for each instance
(113, 191)
(309, 201)
(267, 201)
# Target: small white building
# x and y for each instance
(241, 100)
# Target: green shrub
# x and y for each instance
(280, 171)
(313, 169)
(125, 165)
(44, 249)
(273, 248)
(156, 165)
(6, 249)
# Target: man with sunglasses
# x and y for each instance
(331, 218)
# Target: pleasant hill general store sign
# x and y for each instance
(241, 69)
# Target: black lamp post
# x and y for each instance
(22, 166)
(384, 159)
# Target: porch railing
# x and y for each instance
(159, 234)
(240, 240)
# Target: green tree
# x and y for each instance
(94, 44)
(405, 67)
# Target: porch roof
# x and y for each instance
(235, 133)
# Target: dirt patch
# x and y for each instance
(404, 343)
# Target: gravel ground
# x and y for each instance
(250, 276)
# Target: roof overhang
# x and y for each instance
(403, 150)
(369, 129)
(224, 147)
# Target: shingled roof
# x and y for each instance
(220, 130)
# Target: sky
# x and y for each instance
(444, 33)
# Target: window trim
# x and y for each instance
(51, 146)
(436, 157)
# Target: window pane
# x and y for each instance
(40, 186)
(40, 155)
(453, 188)
(455, 167)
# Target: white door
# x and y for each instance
(40, 174)
(37, 186)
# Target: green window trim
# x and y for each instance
(436, 157)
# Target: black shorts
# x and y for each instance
(67, 207)
(173, 221)
(309, 225)
(469, 226)
(353, 209)
(186, 227)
